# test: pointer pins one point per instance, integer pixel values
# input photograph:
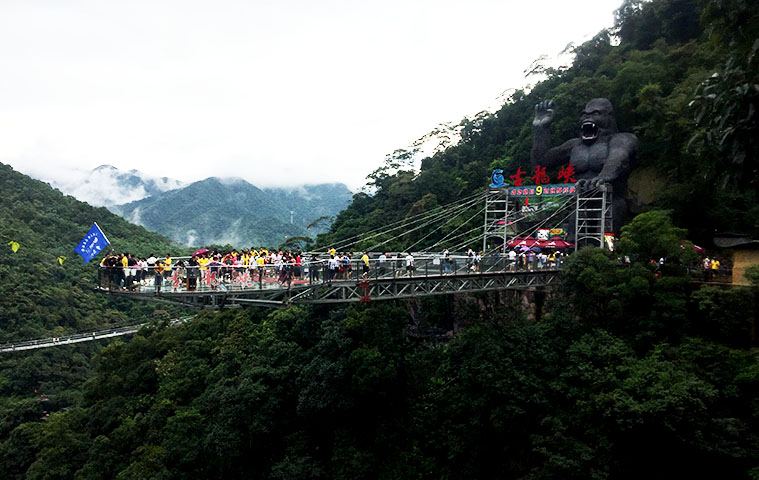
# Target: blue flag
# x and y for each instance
(92, 243)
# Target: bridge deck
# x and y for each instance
(429, 278)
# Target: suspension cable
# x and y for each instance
(462, 209)
(412, 219)
(428, 218)
(446, 223)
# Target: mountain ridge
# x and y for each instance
(234, 211)
(216, 210)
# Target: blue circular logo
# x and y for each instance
(496, 179)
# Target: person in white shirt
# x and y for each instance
(142, 268)
(512, 260)
(382, 263)
(409, 264)
(333, 264)
(447, 262)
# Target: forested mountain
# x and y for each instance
(631, 371)
(45, 290)
(309, 203)
(211, 211)
(629, 374)
(40, 294)
(106, 185)
(232, 211)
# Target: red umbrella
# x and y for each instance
(696, 248)
(556, 244)
(522, 242)
(200, 252)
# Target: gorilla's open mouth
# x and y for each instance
(589, 130)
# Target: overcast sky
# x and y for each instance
(278, 92)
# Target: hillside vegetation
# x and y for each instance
(40, 295)
(630, 372)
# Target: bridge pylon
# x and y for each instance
(496, 216)
(593, 216)
(588, 221)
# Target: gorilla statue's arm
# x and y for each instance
(542, 154)
(623, 148)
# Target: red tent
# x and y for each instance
(555, 244)
(522, 242)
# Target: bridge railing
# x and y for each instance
(181, 277)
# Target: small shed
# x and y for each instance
(745, 254)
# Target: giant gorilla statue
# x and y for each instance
(600, 155)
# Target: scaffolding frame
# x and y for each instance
(593, 216)
(496, 216)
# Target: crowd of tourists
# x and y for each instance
(208, 269)
(713, 269)
(126, 271)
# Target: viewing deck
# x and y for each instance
(225, 286)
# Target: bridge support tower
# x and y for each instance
(593, 216)
(496, 216)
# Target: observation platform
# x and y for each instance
(229, 286)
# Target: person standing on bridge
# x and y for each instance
(447, 263)
(512, 260)
(313, 269)
(158, 269)
(167, 267)
(409, 264)
(333, 266)
(193, 272)
(382, 265)
(365, 265)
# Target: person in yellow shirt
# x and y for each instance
(365, 266)
(124, 264)
(167, 267)
(259, 260)
(332, 251)
(715, 268)
(203, 262)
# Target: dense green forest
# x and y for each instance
(631, 371)
(42, 296)
(628, 375)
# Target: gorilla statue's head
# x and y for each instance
(597, 119)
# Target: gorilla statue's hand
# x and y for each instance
(582, 184)
(543, 114)
(597, 181)
(587, 183)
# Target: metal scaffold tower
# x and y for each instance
(593, 218)
(496, 216)
(588, 219)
